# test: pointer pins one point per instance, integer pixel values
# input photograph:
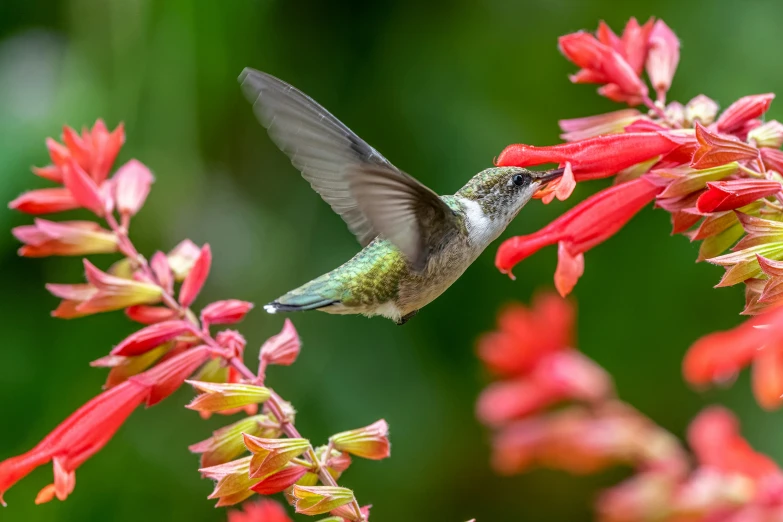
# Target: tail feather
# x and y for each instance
(277, 306)
(310, 296)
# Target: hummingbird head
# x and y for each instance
(501, 192)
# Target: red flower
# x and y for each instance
(525, 335)
(79, 437)
(610, 60)
(719, 356)
(594, 157)
(663, 57)
(736, 193)
(714, 437)
(260, 511)
(588, 224)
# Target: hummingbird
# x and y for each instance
(415, 243)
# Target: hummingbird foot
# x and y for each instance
(405, 318)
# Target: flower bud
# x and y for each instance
(182, 258)
(225, 312)
(769, 134)
(701, 109)
(283, 348)
(152, 336)
(227, 442)
(280, 480)
(370, 442)
(195, 279)
(226, 396)
(270, 455)
(131, 187)
(316, 500)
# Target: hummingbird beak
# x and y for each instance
(548, 175)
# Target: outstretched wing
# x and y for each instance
(372, 195)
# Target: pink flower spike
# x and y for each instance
(663, 57)
(743, 110)
(83, 188)
(735, 193)
(194, 281)
(225, 312)
(154, 335)
(131, 186)
(283, 348)
(44, 201)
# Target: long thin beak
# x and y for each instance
(548, 175)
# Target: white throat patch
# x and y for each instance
(481, 229)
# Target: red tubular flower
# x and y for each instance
(715, 150)
(79, 437)
(132, 186)
(557, 377)
(154, 335)
(714, 437)
(47, 238)
(195, 279)
(663, 57)
(736, 193)
(742, 111)
(260, 511)
(525, 335)
(595, 157)
(588, 224)
(44, 201)
(719, 356)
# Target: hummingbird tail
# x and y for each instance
(276, 306)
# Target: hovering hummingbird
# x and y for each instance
(415, 243)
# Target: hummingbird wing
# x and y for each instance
(371, 195)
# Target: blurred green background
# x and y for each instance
(440, 88)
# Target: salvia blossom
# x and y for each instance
(724, 479)
(261, 453)
(718, 174)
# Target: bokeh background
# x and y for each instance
(440, 88)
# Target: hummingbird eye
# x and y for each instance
(518, 180)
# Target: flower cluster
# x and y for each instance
(724, 478)
(718, 174)
(173, 344)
